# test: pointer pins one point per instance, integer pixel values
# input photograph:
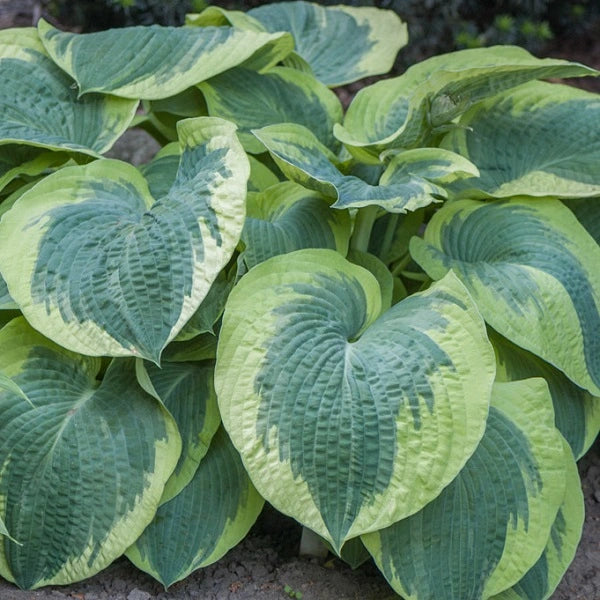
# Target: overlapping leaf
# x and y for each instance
(542, 579)
(402, 112)
(518, 153)
(40, 108)
(197, 527)
(154, 62)
(211, 308)
(533, 272)
(100, 266)
(6, 302)
(347, 419)
(408, 183)
(339, 44)
(187, 391)
(282, 95)
(83, 463)
(490, 525)
(288, 217)
(17, 161)
(588, 214)
(576, 412)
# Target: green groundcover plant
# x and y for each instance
(384, 321)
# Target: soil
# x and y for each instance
(266, 565)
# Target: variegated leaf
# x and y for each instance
(576, 412)
(490, 525)
(197, 527)
(518, 154)
(339, 44)
(100, 266)
(288, 217)
(153, 62)
(305, 160)
(187, 391)
(542, 579)
(532, 270)
(404, 111)
(348, 419)
(84, 462)
(40, 108)
(282, 95)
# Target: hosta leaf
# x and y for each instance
(340, 43)
(40, 107)
(433, 164)
(303, 159)
(202, 347)
(288, 217)
(588, 214)
(210, 516)
(261, 177)
(4, 531)
(152, 62)
(160, 173)
(403, 111)
(6, 302)
(576, 412)
(100, 266)
(211, 308)
(384, 278)
(187, 391)
(533, 272)
(541, 580)
(282, 95)
(354, 553)
(517, 153)
(346, 419)
(391, 235)
(83, 463)
(216, 16)
(490, 525)
(17, 161)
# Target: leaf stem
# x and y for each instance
(363, 225)
(388, 236)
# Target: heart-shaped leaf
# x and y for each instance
(210, 516)
(518, 154)
(532, 270)
(153, 62)
(359, 419)
(103, 268)
(490, 525)
(84, 462)
(31, 85)
(340, 44)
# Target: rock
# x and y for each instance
(138, 595)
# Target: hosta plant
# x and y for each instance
(384, 321)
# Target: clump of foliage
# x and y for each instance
(384, 322)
